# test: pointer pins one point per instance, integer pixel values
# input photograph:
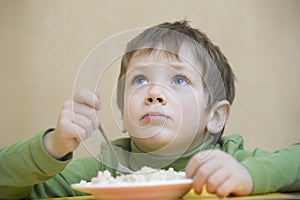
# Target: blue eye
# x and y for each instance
(140, 80)
(180, 80)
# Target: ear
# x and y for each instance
(218, 117)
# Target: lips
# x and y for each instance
(154, 116)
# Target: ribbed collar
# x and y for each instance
(138, 159)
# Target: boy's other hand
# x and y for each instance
(77, 121)
(220, 172)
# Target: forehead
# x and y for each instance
(185, 60)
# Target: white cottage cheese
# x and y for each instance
(145, 174)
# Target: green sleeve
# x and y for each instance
(28, 171)
(275, 172)
(59, 185)
(271, 171)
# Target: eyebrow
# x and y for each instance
(180, 66)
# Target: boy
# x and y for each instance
(174, 91)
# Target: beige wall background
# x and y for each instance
(43, 44)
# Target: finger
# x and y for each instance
(196, 161)
(69, 120)
(225, 188)
(88, 112)
(87, 97)
(80, 134)
(216, 179)
(69, 129)
(85, 124)
(204, 172)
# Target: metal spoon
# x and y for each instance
(121, 169)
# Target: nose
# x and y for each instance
(154, 97)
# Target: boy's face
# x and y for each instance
(165, 103)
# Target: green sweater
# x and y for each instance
(27, 171)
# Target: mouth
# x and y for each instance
(154, 116)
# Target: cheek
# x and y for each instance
(132, 105)
(187, 102)
(190, 113)
(193, 110)
(128, 119)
